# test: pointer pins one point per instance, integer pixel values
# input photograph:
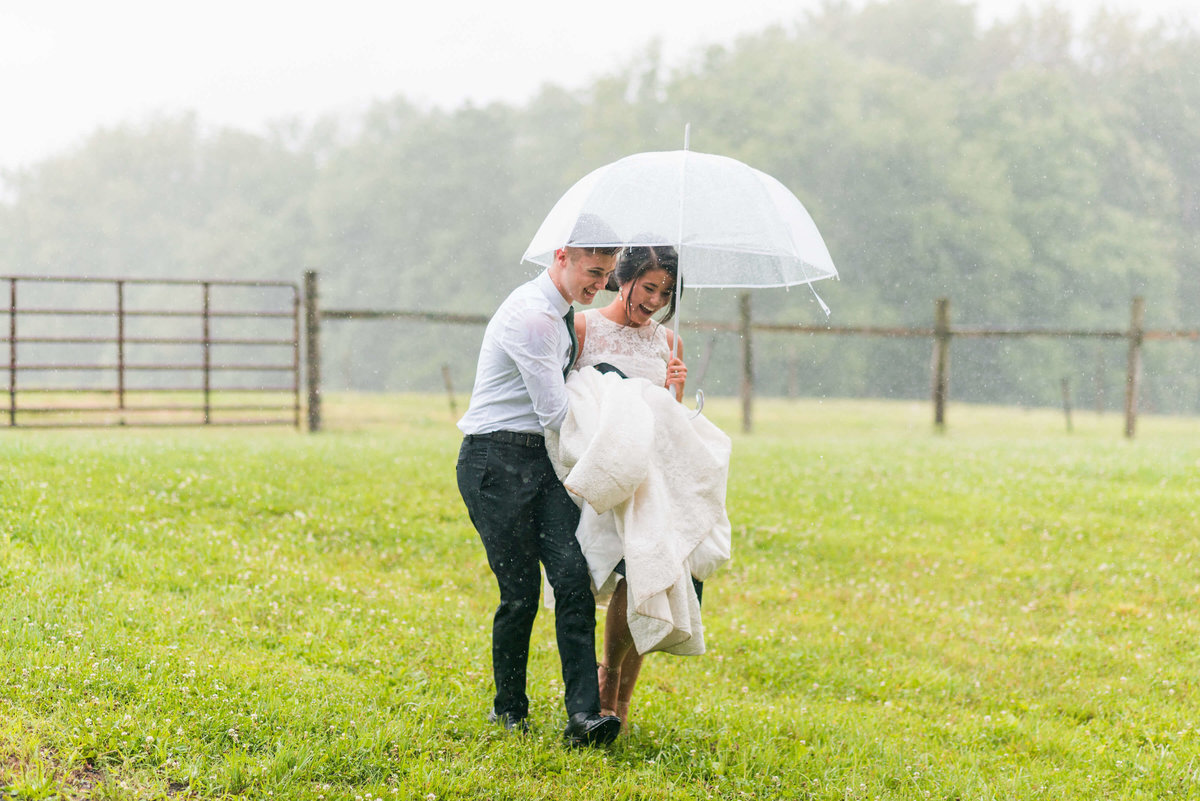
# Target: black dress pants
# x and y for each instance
(524, 516)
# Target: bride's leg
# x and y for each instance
(630, 668)
(618, 644)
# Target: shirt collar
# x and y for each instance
(555, 298)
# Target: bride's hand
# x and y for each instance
(676, 375)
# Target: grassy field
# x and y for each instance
(1002, 611)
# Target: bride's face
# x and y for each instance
(647, 294)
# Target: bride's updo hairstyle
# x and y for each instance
(633, 261)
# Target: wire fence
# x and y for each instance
(87, 352)
(939, 335)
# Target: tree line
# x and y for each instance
(1039, 170)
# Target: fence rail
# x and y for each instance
(124, 389)
(942, 333)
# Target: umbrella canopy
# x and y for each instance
(732, 225)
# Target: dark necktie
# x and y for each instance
(569, 319)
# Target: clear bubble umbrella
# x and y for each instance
(732, 225)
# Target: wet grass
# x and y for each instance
(1004, 610)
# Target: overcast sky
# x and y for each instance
(68, 67)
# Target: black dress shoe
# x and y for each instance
(585, 728)
(509, 721)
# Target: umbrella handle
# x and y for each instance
(699, 404)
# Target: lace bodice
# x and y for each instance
(637, 352)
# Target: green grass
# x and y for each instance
(1001, 611)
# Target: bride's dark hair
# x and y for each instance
(635, 260)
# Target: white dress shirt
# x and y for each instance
(519, 381)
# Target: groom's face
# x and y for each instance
(583, 273)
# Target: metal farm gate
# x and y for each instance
(90, 352)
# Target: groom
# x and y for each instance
(515, 500)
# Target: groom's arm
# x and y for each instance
(535, 343)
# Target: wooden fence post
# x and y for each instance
(1066, 400)
(703, 371)
(449, 391)
(312, 349)
(12, 351)
(747, 362)
(206, 339)
(121, 352)
(941, 360)
(1133, 369)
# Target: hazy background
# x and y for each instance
(1037, 165)
(69, 66)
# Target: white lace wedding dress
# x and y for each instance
(640, 352)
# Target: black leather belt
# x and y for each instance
(510, 438)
